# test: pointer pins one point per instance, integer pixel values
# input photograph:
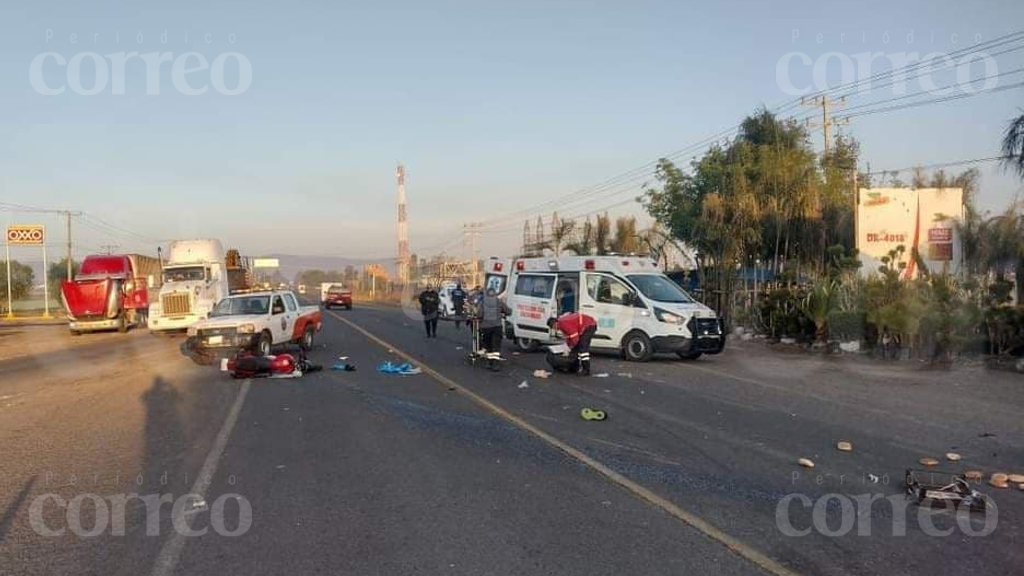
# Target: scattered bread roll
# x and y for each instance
(952, 456)
(928, 461)
(806, 463)
(844, 446)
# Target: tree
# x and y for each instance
(602, 234)
(561, 233)
(582, 242)
(1013, 146)
(626, 239)
(58, 272)
(22, 278)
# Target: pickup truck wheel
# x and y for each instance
(307, 339)
(636, 346)
(264, 344)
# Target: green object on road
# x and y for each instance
(590, 414)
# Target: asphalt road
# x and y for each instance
(457, 470)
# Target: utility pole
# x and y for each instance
(68, 214)
(470, 232)
(828, 121)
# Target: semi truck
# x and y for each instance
(110, 292)
(195, 278)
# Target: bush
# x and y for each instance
(1006, 330)
(846, 326)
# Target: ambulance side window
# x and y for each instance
(607, 290)
(534, 286)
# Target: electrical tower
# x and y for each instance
(403, 230)
(470, 233)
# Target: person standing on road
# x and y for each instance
(491, 312)
(459, 304)
(430, 301)
(578, 329)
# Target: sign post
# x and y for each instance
(27, 235)
(10, 305)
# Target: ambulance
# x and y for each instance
(639, 311)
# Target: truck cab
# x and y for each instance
(111, 291)
(194, 280)
(639, 311)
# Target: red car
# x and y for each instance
(337, 296)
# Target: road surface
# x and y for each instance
(460, 471)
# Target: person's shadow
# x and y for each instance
(7, 520)
(164, 437)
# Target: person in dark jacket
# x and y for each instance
(459, 304)
(491, 311)
(430, 301)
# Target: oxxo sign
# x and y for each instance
(26, 235)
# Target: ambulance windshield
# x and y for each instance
(659, 288)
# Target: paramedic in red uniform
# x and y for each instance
(578, 330)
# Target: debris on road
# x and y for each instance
(974, 475)
(541, 373)
(1016, 478)
(344, 366)
(957, 492)
(986, 435)
(404, 369)
(844, 446)
(601, 375)
(343, 358)
(928, 461)
(523, 384)
(591, 414)
(806, 462)
(279, 467)
(874, 479)
(999, 480)
(952, 456)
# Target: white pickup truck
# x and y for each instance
(255, 321)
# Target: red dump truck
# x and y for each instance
(110, 292)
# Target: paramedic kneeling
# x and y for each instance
(578, 330)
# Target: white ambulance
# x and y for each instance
(639, 311)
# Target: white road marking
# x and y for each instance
(170, 552)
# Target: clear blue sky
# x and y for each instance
(491, 106)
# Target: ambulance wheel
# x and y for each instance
(527, 344)
(689, 355)
(263, 344)
(636, 347)
(307, 339)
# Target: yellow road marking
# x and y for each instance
(750, 554)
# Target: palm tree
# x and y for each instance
(602, 234)
(1013, 146)
(582, 242)
(626, 240)
(561, 232)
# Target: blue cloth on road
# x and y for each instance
(405, 368)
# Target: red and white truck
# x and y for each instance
(110, 292)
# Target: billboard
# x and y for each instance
(266, 263)
(923, 218)
(26, 235)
